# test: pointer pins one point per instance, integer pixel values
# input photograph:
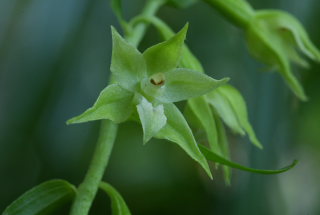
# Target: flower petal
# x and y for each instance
(178, 131)
(114, 103)
(292, 25)
(127, 65)
(151, 118)
(165, 56)
(267, 48)
(181, 84)
(231, 107)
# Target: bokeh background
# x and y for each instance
(54, 60)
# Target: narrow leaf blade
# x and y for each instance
(42, 199)
(119, 206)
(212, 156)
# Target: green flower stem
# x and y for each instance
(239, 12)
(150, 9)
(88, 189)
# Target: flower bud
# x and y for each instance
(277, 38)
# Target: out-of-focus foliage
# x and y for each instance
(54, 60)
(43, 198)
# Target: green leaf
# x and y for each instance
(165, 56)
(181, 84)
(42, 199)
(114, 103)
(178, 131)
(231, 107)
(151, 118)
(127, 65)
(119, 206)
(212, 156)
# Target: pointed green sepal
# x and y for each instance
(178, 131)
(114, 103)
(127, 64)
(231, 107)
(202, 111)
(151, 118)
(165, 56)
(276, 37)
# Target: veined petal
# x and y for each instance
(291, 80)
(231, 107)
(224, 109)
(165, 56)
(178, 131)
(127, 65)
(114, 103)
(151, 118)
(181, 84)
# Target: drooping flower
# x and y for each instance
(277, 38)
(145, 86)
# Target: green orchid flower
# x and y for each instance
(144, 88)
(277, 38)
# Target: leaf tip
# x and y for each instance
(256, 142)
(183, 32)
(186, 26)
(115, 34)
(304, 98)
(225, 80)
(70, 121)
(145, 140)
(294, 163)
(113, 30)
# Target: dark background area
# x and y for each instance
(54, 60)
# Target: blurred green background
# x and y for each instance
(54, 60)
